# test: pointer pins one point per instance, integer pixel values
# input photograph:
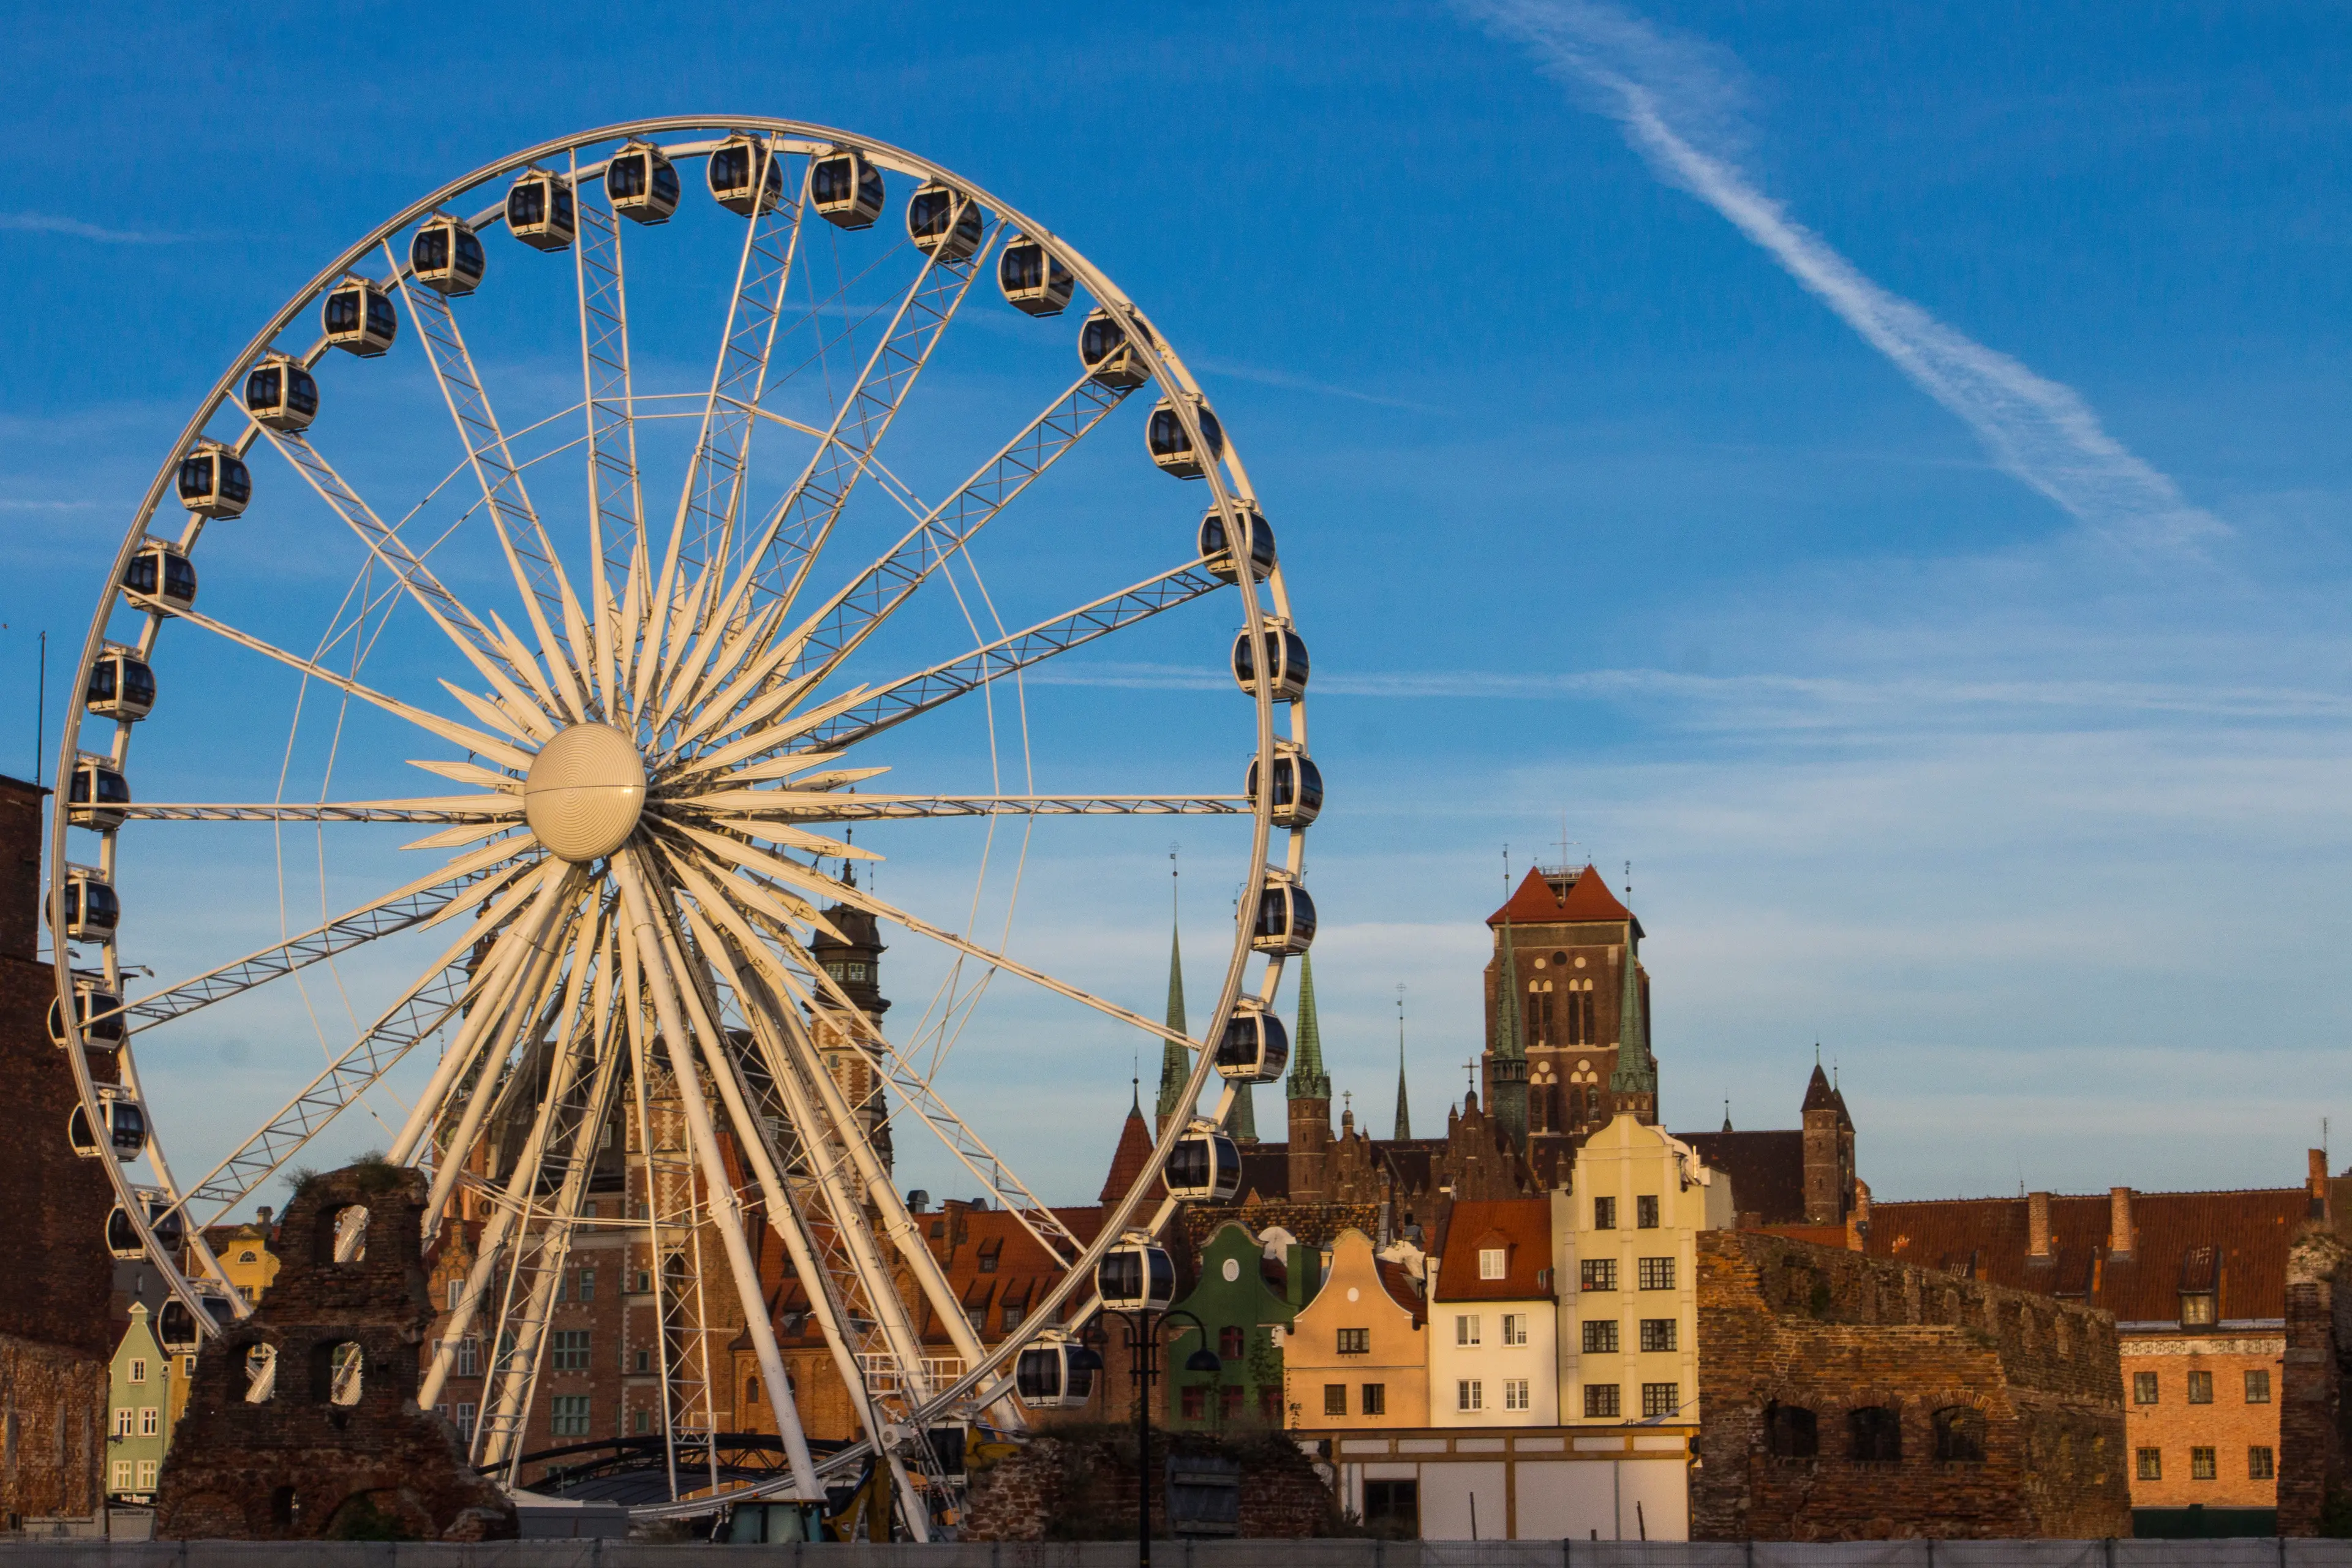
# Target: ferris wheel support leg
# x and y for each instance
(644, 932)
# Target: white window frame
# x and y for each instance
(1514, 1394)
(147, 1469)
(1494, 1262)
(1466, 1330)
(123, 1421)
(151, 1421)
(122, 1475)
(139, 1369)
(1514, 1328)
(1469, 1395)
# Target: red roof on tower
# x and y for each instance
(1558, 900)
(1128, 1162)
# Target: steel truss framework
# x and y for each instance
(667, 986)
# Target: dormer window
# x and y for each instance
(2196, 1309)
(1494, 1262)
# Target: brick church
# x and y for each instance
(1569, 1048)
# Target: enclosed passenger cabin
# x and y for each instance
(1254, 1048)
(214, 481)
(1297, 789)
(1033, 279)
(1206, 1166)
(121, 686)
(358, 318)
(1218, 555)
(1055, 1375)
(161, 578)
(642, 183)
(280, 395)
(175, 1325)
(539, 211)
(846, 188)
(1171, 443)
(98, 1012)
(123, 1237)
(1285, 920)
(126, 1126)
(1136, 1276)
(92, 912)
(1109, 358)
(944, 223)
(1286, 662)
(97, 796)
(446, 256)
(744, 176)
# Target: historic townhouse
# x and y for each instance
(1491, 1355)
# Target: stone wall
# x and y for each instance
(2310, 1414)
(315, 1455)
(1785, 1323)
(1080, 1486)
(52, 1431)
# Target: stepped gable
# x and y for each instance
(297, 1442)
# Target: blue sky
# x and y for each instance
(1877, 474)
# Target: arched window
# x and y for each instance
(337, 1373)
(1877, 1433)
(1790, 1432)
(1959, 1435)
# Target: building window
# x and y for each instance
(2143, 1388)
(1359, 1341)
(644, 1360)
(470, 1358)
(1661, 1398)
(122, 1422)
(457, 1293)
(750, 1392)
(1645, 1213)
(1601, 1401)
(1604, 1214)
(1465, 1328)
(147, 1475)
(563, 1285)
(151, 1421)
(2258, 1388)
(644, 1421)
(570, 1351)
(1494, 1262)
(2260, 1467)
(1269, 1403)
(2196, 1309)
(1229, 1342)
(570, 1418)
(1335, 1399)
(1655, 1273)
(466, 1422)
(645, 1285)
(2201, 1467)
(1376, 1399)
(1229, 1403)
(988, 1262)
(1959, 1435)
(1877, 1433)
(1657, 1333)
(1601, 1336)
(1392, 1508)
(122, 1475)
(1013, 1311)
(188, 1366)
(1791, 1432)
(1514, 1394)
(1597, 1273)
(2150, 1464)
(1514, 1328)
(2200, 1388)
(977, 1317)
(1470, 1393)
(138, 1368)
(587, 1284)
(1195, 1401)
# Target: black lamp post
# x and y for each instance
(1143, 1369)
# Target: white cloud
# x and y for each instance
(50, 222)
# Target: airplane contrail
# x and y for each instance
(1669, 98)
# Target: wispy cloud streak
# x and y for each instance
(50, 222)
(1670, 99)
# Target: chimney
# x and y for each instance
(2037, 1225)
(2120, 1234)
(2318, 1181)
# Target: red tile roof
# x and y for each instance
(2248, 1234)
(1539, 903)
(1522, 1227)
(1398, 1281)
(1126, 1162)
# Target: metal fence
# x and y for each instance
(2241, 1553)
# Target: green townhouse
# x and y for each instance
(142, 1409)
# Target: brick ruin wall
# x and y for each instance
(2312, 1438)
(1836, 1332)
(1082, 1487)
(299, 1464)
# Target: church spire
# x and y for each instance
(1175, 1061)
(1307, 1078)
(1636, 1073)
(1404, 1114)
(1506, 1071)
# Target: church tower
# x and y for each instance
(1829, 1153)
(1506, 1061)
(854, 960)
(1310, 1097)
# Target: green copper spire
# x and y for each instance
(1307, 1078)
(1241, 1121)
(1506, 1074)
(1175, 1061)
(1637, 1070)
(1404, 1113)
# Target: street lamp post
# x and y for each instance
(1142, 1345)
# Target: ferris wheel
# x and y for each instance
(642, 538)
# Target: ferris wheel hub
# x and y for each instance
(584, 792)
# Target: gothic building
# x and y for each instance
(854, 960)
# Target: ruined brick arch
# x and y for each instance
(1842, 1434)
(1957, 1419)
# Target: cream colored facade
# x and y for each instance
(1625, 1236)
(1354, 1308)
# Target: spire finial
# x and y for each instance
(1403, 1112)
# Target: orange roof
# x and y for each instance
(1541, 901)
(1521, 1226)
(1128, 1160)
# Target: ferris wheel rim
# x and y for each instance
(1227, 482)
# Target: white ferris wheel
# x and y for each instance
(695, 597)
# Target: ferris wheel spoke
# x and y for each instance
(902, 700)
(450, 808)
(448, 730)
(615, 499)
(538, 572)
(426, 901)
(742, 808)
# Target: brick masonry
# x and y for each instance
(1786, 1323)
(297, 1463)
(1081, 1487)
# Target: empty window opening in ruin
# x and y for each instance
(1877, 1433)
(261, 1373)
(342, 1234)
(1791, 1432)
(1959, 1435)
(284, 1507)
(338, 1373)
